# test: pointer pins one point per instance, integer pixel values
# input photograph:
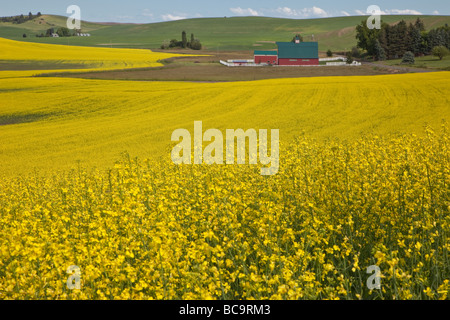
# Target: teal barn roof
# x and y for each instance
(302, 50)
(265, 53)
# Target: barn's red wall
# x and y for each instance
(265, 59)
(298, 62)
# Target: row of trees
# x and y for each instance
(392, 42)
(20, 19)
(193, 44)
(62, 32)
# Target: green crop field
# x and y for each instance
(237, 33)
(428, 62)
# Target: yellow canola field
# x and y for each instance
(152, 230)
(50, 123)
(93, 59)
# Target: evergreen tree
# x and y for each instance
(408, 57)
(399, 39)
(192, 41)
(380, 54)
(419, 25)
(183, 39)
(431, 40)
(383, 38)
(414, 39)
(442, 37)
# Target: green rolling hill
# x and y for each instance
(237, 33)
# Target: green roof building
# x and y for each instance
(290, 54)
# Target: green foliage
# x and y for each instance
(440, 52)
(63, 32)
(356, 52)
(396, 39)
(19, 19)
(329, 53)
(366, 37)
(438, 37)
(194, 44)
(297, 36)
(349, 58)
(408, 58)
(49, 32)
(415, 39)
(183, 39)
(174, 43)
(380, 54)
(419, 25)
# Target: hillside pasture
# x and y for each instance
(217, 34)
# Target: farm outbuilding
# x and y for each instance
(269, 57)
(290, 54)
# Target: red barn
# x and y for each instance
(291, 54)
(269, 57)
(298, 54)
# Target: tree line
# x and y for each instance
(62, 32)
(393, 41)
(193, 44)
(20, 19)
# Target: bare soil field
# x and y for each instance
(208, 69)
(19, 65)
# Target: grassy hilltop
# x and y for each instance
(237, 33)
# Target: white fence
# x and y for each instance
(241, 61)
(336, 63)
(333, 59)
(354, 63)
(250, 63)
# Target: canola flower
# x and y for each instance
(49, 123)
(154, 230)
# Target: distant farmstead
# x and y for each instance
(290, 54)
